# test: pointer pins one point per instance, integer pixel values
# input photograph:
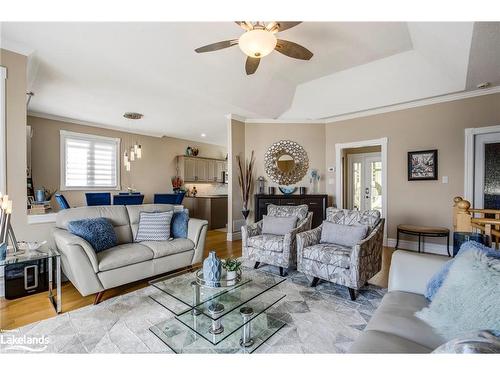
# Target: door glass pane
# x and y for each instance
(356, 185)
(492, 176)
(376, 185)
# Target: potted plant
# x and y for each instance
(231, 266)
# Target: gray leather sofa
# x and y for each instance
(92, 272)
(394, 327)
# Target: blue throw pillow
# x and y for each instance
(437, 280)
(99, 232)
(179, 225)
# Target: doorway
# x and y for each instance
(364, 180)
(487, 171)
(374, 176)
(482, 166)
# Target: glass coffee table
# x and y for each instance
(225, 319)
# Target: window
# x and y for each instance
(89, 162)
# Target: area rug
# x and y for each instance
(318, 320)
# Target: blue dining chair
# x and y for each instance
(128, 200)
(133, 193)
(175, 198)
(61, 201)
(98, 199)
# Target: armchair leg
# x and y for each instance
(283, 272)
(352, 294)
(98, 297)
(257, 264)
(315, 282)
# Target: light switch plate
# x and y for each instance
(445, 179)
(331, 181)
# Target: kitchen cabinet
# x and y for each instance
(199, 169)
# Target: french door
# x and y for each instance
(364, 190)
(487, 171)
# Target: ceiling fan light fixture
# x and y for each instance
(257, 43)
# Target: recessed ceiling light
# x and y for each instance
(133, 115)
(483, 85)
(203, 135)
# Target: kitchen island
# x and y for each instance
(212, 208)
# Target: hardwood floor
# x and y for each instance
(22, 311)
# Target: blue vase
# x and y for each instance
(212, 269)
(3, 251)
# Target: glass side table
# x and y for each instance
(45, 252)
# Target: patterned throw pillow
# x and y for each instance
(98, 232)
(179, 225)
(154, 226)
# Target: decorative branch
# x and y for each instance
(245, 177)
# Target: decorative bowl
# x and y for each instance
(30, 245)
(287, 190)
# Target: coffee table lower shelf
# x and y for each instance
(182, 339)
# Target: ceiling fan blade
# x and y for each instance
(217, 46)
(251, 65)
(245, 25)
(292, 49)
(285, 25)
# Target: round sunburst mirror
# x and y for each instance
(286, 162)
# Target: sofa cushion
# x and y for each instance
(123, 255)
(154, 226)
(268, 242)
(134, 212)
(353, 217)
(98, 232)
(164, 248)
(179, 225)
(278, 225)
(329, 254)
(376, 342)
(117, 215)
(396, 315)
(345, 235)
(469, 298)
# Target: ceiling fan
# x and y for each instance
(260, 40)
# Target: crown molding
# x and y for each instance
(414, 104)
(282, 121)
(92, 124)
(233, 116)
(17, 47)
(379, 110)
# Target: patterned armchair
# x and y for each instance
(348, 266)
(273, 249)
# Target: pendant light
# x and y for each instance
(135, 150)
(139, 152)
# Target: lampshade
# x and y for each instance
(132, 154)
(257, 43)
(138, 152)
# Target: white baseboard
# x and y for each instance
(233, 236)
(426, 247)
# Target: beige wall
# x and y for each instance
(259, 137)
(438, 126)
(151, 174)
(236, 144)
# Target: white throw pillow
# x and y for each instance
(345, 235)
(278, 225)
(154, 226)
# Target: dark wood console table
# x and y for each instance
(317, 204)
